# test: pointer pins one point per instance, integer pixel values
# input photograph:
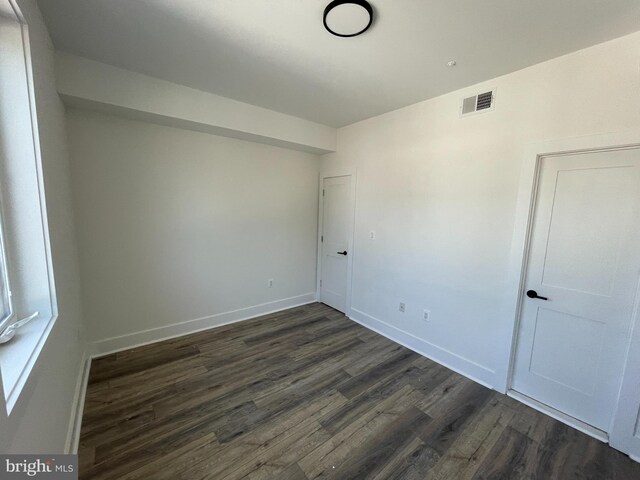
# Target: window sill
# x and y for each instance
(18, 357)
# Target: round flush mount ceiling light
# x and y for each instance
(345, 18)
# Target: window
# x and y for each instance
(6, 309)
(25, 260)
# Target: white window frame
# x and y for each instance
(27, 250)
(5, 282)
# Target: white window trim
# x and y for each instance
(18, 358)
(4, 274)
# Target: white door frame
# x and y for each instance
(338, 172)
(518, 268)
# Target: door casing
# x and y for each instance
(341, 172)
(518, 267)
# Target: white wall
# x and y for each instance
(94, 85)
(176, 225)
(440, 192)
(40, 420)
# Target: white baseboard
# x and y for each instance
(463, 366)
(77, 410)
(145, 337)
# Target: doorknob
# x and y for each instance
(534, 294)
(342, 253)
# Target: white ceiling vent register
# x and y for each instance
(483, 102)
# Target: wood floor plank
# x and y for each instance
(438, 398)
(370, 458)
(449, 423)
(286, 331)
(242, 424)
(173, 463)
(377, 351)
(247, 448)
(592, 459)
(270, 463)
(472, 446)
(512, 457)
(107, 368)
(161, 375)
(292, 472)
(306, 394)
(532, 423)
(368, 400)
(413, 463)
(322, 462)
(152, 440)
(373, 376)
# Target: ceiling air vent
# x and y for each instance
(478, 103)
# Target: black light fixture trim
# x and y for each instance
(336, 3)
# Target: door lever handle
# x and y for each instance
(534, 294)
(342, 253)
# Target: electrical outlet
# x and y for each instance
(270, 283)
(401, 307)
(426, 315)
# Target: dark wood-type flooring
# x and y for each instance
(307, 394)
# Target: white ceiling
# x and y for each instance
(276, 53)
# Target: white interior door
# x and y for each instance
(584, 258)
(335, 241)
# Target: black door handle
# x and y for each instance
(534, 294)
(342, 253)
